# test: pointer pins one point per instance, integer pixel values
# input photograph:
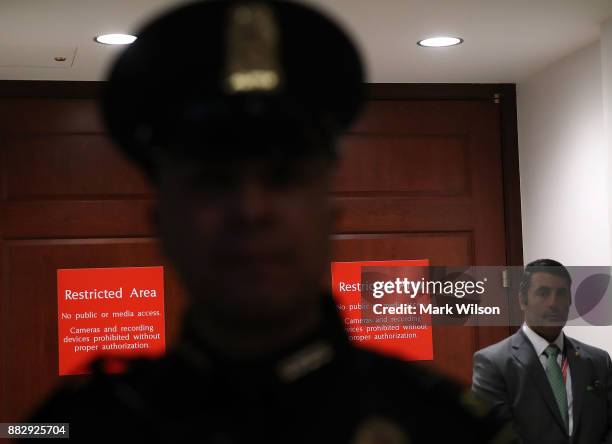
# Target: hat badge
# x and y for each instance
(252, 63)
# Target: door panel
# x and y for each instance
(423, 180)
(68, 165)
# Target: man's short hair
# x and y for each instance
(542, 266)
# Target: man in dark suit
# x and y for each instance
(555, 389)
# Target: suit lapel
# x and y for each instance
(524, 353)
(579, 374)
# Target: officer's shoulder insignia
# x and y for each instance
(380, 430)
(305, 361)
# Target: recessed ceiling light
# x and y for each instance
(115, 39)
(436, 42)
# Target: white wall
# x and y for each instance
(565, 139)
(563, 162)
(606, 70)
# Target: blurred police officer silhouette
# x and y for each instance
(234, 110)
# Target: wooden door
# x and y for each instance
(421, 179)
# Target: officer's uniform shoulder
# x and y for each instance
(105, 395)
(137, 404)
(441, 406)
(378, 366)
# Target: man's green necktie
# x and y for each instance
(555, 378)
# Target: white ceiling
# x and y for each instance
(505, 40)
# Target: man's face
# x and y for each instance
(547, 304)
(250, 239)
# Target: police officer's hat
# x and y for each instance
(234, 78)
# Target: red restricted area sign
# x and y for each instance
(377, 320)
(109, 311)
